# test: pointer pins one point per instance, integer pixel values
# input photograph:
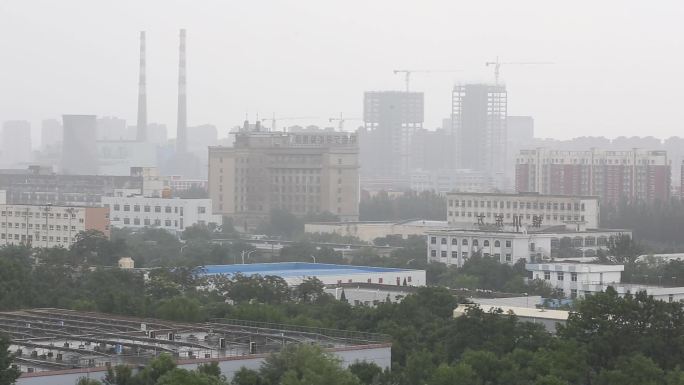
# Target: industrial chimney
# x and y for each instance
(142, 94)
(181, 127)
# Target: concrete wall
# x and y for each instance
(379, 354)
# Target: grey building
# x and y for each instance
(478, 119)
(390, 120)
(79, 150)
(16, 142)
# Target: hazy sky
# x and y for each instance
(618, 64)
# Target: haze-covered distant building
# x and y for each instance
(301, 172)
(50, 134)
(391, 119)
(79, 152)
(112, 128)
(632, 175)
(478, 118)
(16, 142)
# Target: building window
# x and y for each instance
(146, 221)
(547, 275)
(136, 221)
(443, 254)
(433, 253)
(168, 210)
(157, 209)
(127, 221)
(433, 240)
(201, 210)
(443, 241)
(475, 242)
(147, 209)
(497, 256)
(136, 208)
(486, 243)
(573, 293)
(117, 207)
(454, 254)
(508, 243)
(454, 241)
(127, 207)
(464, 255)
(573, 277)
(464, 242)
(560, 276)
(167, 223)
(497, 243)
(508, 257)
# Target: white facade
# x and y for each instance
(173, 215)
(455, 246)
(444, 181)
(579, 279)
(576, 211)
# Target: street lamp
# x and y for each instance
(314, 258)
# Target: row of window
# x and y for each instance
(560, 276)
(464, 255)
(464, 242)
(508, 215)
(37, 215)
(148, 222)
(157, 209)
(523, 205)
(37, 226)
(44, 238)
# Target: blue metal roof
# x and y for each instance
(295, 269)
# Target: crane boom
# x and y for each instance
(274, 119)
(497, 66)
(407, 74)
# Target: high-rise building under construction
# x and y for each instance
(478, 117)
(391, 118)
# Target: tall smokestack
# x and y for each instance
(142, 94)
(181, 127)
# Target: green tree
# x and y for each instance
(624, 250)
(8, 375)
(246, 376)
(635, 369)
(119, 375)
(460, 374)
(367, 372)
(305, 365)
(309, 290)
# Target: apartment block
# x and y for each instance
(633, 175)
(173, 215)
(49, 226)
(301, 172)
(528, 209)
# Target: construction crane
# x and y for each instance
(497, 66)
(274, 119)
(407, 74)
(340, 121)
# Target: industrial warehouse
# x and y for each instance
(55, 347)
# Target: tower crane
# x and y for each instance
(340, 121)
(407, 74)
(275, 119)
(497, 66)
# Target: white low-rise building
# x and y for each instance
(575, 212)
(454, 246)
(172, 214)
(579, 279)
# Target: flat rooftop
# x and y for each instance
(295, 269)
(561, 230)
(56, 339)
(530, 194)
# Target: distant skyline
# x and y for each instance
(616, 72)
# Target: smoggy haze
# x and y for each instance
(616, 72)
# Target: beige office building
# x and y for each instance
(309, 171)
(49, 226)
